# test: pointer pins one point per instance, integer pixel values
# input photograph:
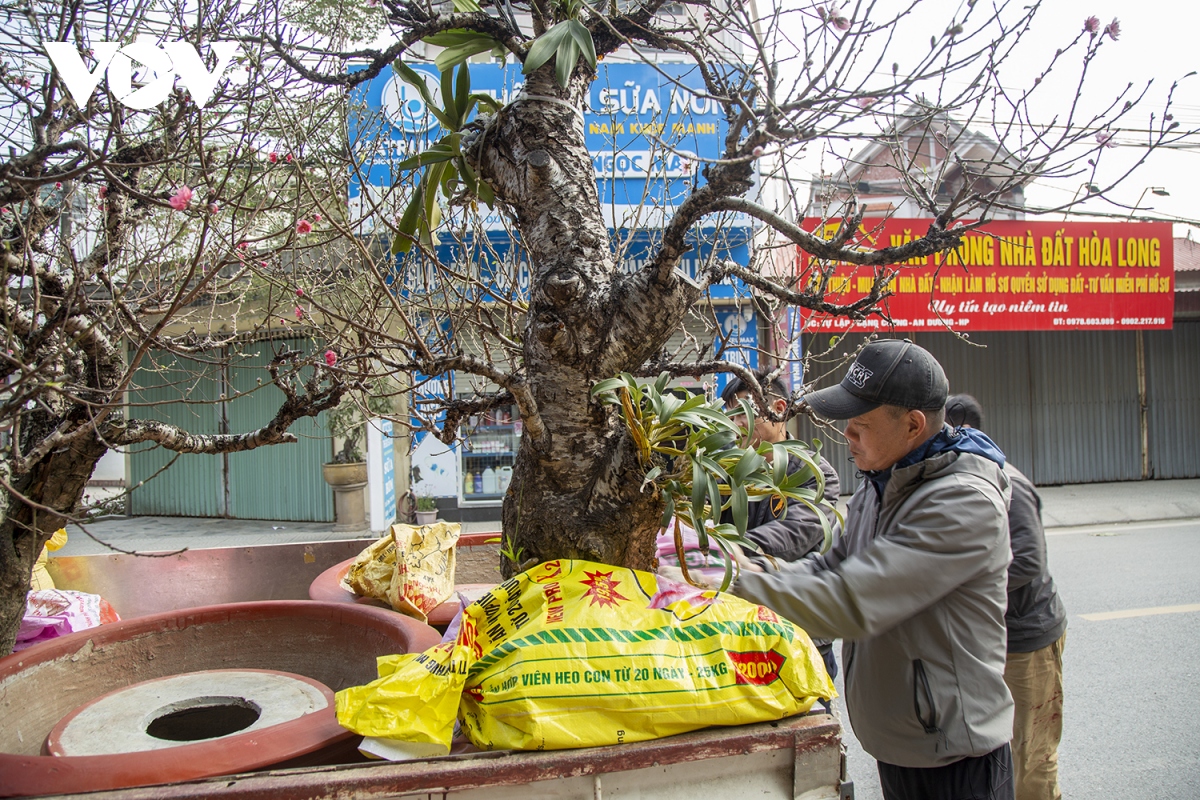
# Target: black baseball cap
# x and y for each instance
(893, 372)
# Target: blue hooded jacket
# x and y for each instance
(961, 440)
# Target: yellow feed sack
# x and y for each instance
(40, 579)
(576, 654)
(411, 568)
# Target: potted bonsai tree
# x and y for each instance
(349, 465)
(347, 472)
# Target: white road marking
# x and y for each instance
(1141, 612)
(1121, 527)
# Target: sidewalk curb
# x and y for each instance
(1060, 530)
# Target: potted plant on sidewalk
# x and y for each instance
(349, 465)
(347, 472)
(426, 510)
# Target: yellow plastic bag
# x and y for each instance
(411, 568)
(576, 654)
(40, 579)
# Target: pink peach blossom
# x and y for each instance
(303, 227)
(179, 201)
(316, 217)
(213, 208)
(299, 312)
(330, 358)
(299, 293)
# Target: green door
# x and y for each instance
(280, 481)
(182, 392)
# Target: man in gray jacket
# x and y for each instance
(1037, 631)
(916, 585)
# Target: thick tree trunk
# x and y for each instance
(57, 482)
(575, 492)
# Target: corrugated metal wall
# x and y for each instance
(1064, 405)
(277, 482)
(183, 392)
(282, 481)
(1085, 407)
(1173, 383)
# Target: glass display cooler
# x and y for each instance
(488, 452)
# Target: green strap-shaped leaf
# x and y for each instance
(450, 180)
(485, 193)
(566, 57)
(607, 385)
(544, 47)
(487, 101)
(583, 38)
(650, 476)
(405, 231)
(412, 77)
(714, 496)
(454, 37)
(728, 577)
(462, 93)
(748, 409)
(739, 503)
(669, 508)
(699, 485)
(466, 6)
(749, 463)
(458, 54)
(779, 463)
(430, 155)
(451, 111)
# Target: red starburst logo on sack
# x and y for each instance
(756, 667)
(603, 589)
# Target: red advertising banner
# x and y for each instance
(1011, 276)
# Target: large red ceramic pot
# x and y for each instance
(327, 587)
(229, 688)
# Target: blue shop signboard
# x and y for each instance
(649, 130)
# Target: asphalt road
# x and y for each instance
(1131, 666)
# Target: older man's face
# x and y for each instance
(880, 438)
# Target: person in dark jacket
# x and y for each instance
(1037, 631)
(797, 533)
(784, 536)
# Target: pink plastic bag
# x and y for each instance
(708, 562)
(50, 613)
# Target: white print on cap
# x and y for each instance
(859, 375)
